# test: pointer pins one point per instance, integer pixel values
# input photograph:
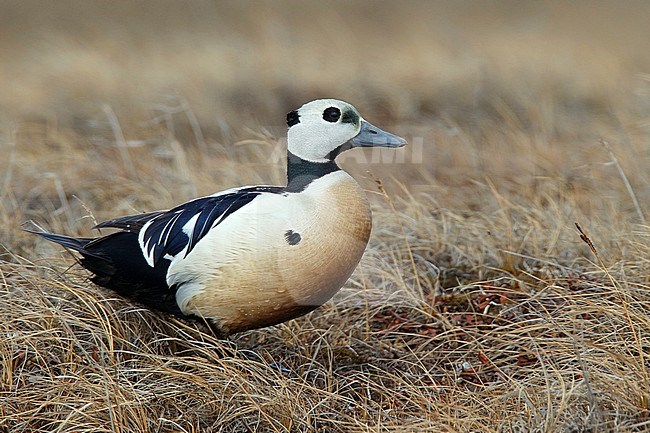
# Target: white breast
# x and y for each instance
(245, 272)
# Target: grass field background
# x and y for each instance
(478, 307)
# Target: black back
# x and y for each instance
(169, 233)
(118, 264)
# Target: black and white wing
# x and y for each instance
(131, 223)
(168, 233)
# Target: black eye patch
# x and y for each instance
(332, 114)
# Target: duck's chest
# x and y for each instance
(321, 229)
(332, 214)
(282, 256)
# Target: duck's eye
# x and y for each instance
(332, 114)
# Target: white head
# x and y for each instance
(321, 129)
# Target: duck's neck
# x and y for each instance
(301, 173)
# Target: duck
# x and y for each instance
(252, 256)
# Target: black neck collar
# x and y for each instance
(301, 173)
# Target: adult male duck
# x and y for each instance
(253, 256)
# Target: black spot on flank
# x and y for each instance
(292, 237)
(332, 114)
(350, 117)
(292, 118)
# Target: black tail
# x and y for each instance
(118, 264)
(76, 244)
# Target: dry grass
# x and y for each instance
(477, 308)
